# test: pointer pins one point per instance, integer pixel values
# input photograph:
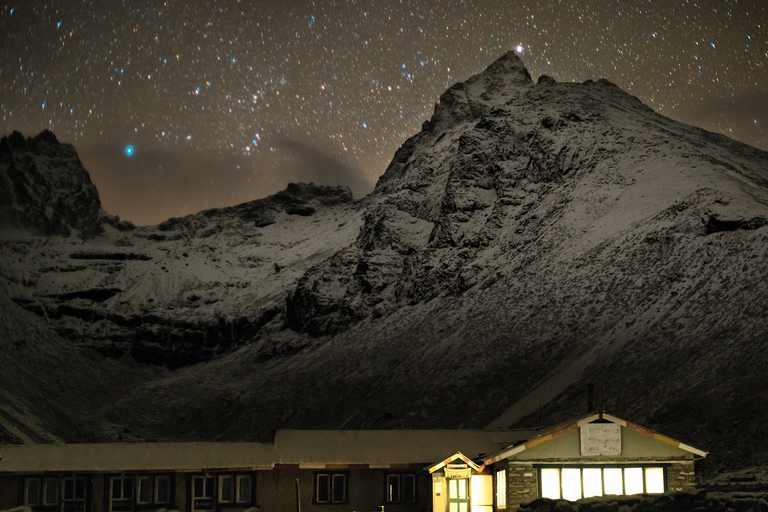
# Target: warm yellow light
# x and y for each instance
(571, 484)
(550, 483)
(654, 480)
(633, 480)
(481, 491)
(613, 481)
(593, 482)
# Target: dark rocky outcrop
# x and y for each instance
(45, 189)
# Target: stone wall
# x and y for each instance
(681, 477)
(675, 502)
(522, 485)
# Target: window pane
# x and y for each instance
(409, 489)
(162, 489)
(144, 490)
(463, 506)
(654, 480)
(614, 484)
(32, 488)
(453, 488)
(550, 483)
(453, 507)
(69, 489)
(462, 489)
(244, 489)
(117, 490)
(633, 480)
(197, 487)
(593, 482)
(50, 491)
(209, 487)
(339, 488)
(393, 488)
(501, 488)
(79, 488)
(323, 488)
(571, 483)
(227, 489)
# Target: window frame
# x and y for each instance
(400, 478)
(129, 500)
(238, 488)
(332, 476)
(623, 466)
(155, 489)
(139, 487)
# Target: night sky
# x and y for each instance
(176, 106)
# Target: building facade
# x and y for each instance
(343, 471)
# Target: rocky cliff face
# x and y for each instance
(44, 188)
(531, 239)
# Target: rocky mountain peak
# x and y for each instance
(44, 188)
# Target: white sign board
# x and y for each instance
(601, 439)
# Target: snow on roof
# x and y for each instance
(105, 457)
(386, 447)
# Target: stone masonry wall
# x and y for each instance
(680, 476)
(522, 485)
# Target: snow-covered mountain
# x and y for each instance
(533, 238)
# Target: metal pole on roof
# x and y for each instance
(298, 497)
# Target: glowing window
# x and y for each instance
(550, 483)
(654, 480)
(613, 481)
(501, 488)
(633, 480)
(571, 483)
(593, 482)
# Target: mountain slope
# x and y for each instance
(531, 239)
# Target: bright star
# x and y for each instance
(519, 48)
(129, 150)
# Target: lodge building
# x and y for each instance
(347, 470)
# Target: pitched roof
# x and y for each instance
(563, 429)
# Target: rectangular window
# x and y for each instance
(654, 480)
(575, 483)
(593, 482)
(144, 490)
(400, 488)
(74, 489)
(550, 483)
(393, 488)
(614, 483)
(50, 491)
(501, 489)
(73, 494)
(633, 480)
(227, 489)
(33, 489)
(243, 488)
(571, 482)
(203, 498)
(120, 493)
(408, 485)
(330, 487)
(162, 489)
